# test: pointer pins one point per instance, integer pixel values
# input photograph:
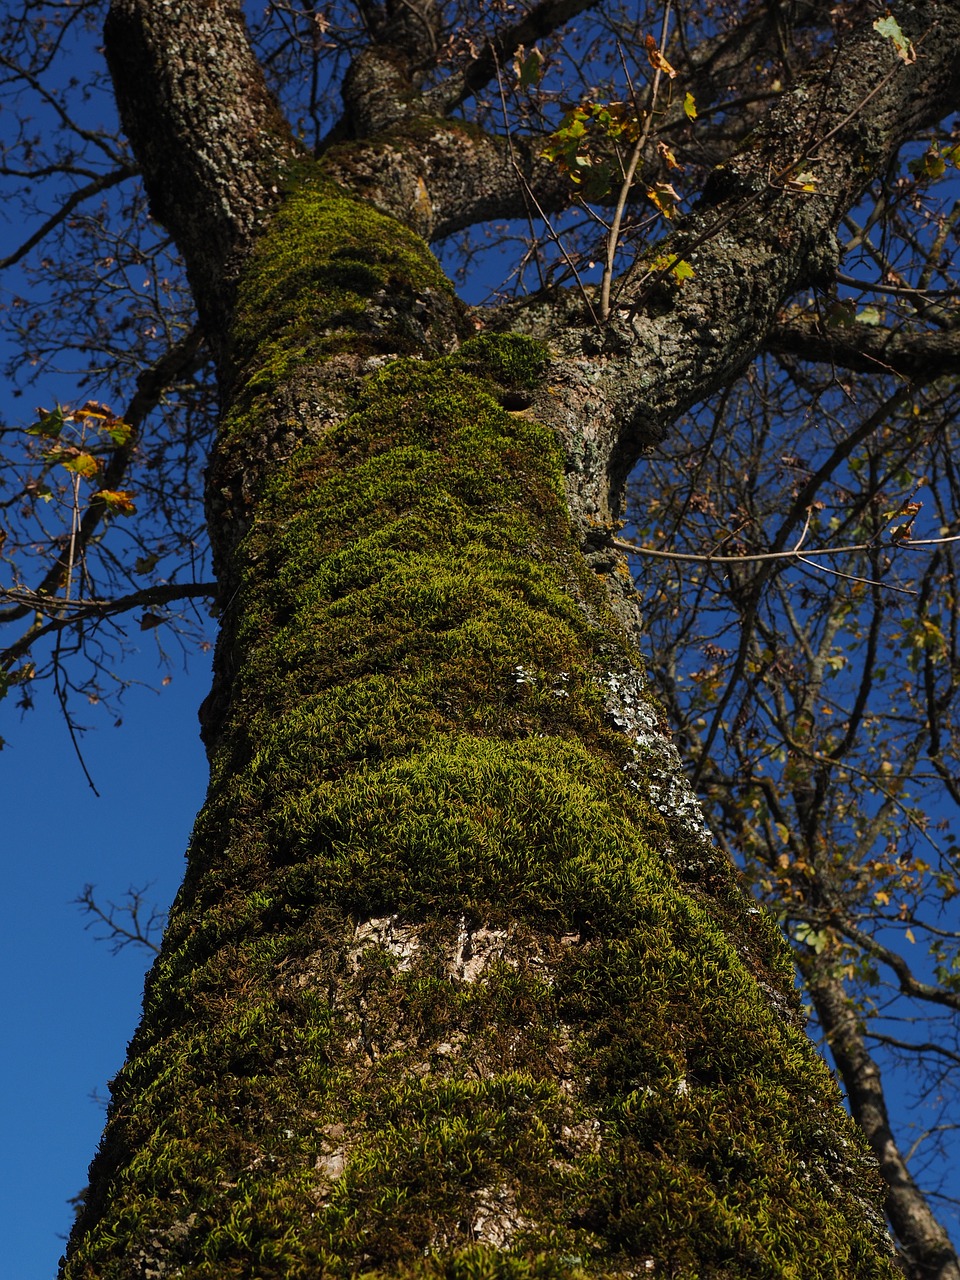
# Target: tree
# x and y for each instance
(456, 981)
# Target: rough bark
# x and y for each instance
(919, 357)
(456, 983)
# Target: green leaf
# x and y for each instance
(889, 28)
(530, 69)
(815, 938)
(49, 425)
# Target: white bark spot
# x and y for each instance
(400, 940)
(654, 764)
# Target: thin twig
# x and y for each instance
(613, 236)
(795, 554)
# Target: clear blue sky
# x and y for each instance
(69, 1005)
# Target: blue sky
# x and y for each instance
(69, 1005)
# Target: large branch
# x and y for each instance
(397, 148)
(210, 139)
(447, 175)
(920, 357)
(926, 1248)
(756, 237)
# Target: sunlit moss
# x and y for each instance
(434, 1001)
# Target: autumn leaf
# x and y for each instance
(119, 501)
(106, 421)
(906, 515)
(656, 58)
(689, 106)
(82, 464)
(118, 430)
(665, 197)
(889, 28)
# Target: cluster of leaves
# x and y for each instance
(79, 440)
(581, 147)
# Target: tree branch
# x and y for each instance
(67, 613)
(753, 240)
(919, 357)
(925, 1245)
(102, 183)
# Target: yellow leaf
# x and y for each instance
(689, 106)
(119, 501)
(665, 197)
(83, 464)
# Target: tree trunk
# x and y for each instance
(456, 983)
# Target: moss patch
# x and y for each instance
(330, 274)
(433, 1001)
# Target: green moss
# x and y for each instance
(514, 362)
(433, 1001)
(311, 287)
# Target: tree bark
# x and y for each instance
(456, 983)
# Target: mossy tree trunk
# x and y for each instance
(456, 982)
